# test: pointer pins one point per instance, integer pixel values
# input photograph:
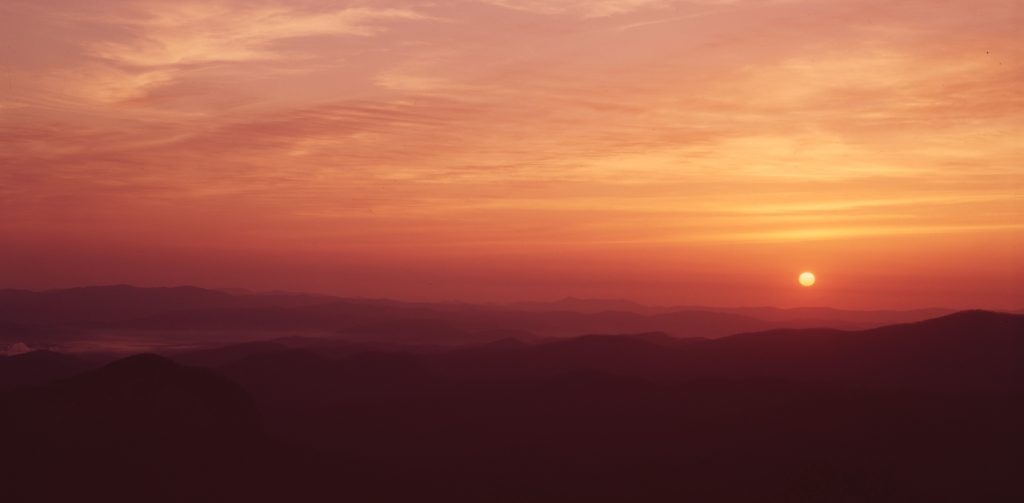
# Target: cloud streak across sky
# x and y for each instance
(748, 137)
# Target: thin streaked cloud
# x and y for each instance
(467, 122)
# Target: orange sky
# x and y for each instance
(695, 151)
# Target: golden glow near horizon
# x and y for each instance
(807, 279)
(599, 147)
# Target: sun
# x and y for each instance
(806, 278)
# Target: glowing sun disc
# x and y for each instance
(806, 279)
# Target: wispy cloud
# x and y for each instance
(490, 124)
(587, 8)
(193, 33)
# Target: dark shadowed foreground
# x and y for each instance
(929, 411)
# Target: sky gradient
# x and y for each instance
(692, 152)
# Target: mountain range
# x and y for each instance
(53, 316)
(923, 411)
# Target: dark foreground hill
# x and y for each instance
(38, 367)
(139, 429)
(927, 411)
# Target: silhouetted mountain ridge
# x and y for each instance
(48, 315)
(926, 411)
(965, 350)
(102, 304)
(401, 321)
